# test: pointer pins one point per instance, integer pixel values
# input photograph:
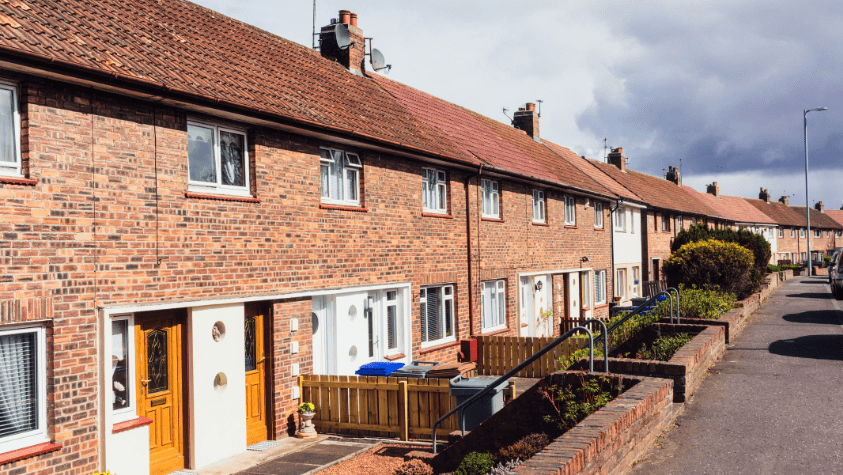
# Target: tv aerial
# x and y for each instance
(342, 36)
(377, 59)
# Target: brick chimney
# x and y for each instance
(352, 57)
(764, 194)
(673, 175)
(527, 119)
(784, 200)
(617, 158)
(714, 189)
(819, 206)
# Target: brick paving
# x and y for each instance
(772, 404)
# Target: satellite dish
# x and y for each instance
(342, 36)
(378, 61)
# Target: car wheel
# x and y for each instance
(836, 292)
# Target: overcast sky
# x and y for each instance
(721, 85)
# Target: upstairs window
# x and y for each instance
(493, 304)
(570, 211)
(620, 219)
(434, 191)
(665, 222)
(538, 207)
(340, 176)
(598, 215)
(218, 159)
(781, 232)
(679, 223)
(10, 156)
(801, 232)
(792, 232)
(491, 199)
(818, 233)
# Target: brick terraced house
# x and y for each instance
(195, 212)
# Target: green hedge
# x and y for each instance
(726, 266)
(756, 243)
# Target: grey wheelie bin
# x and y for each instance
(463, 388)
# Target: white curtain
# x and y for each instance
(18, 388)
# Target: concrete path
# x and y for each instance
(774, 403)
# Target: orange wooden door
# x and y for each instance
(158, 344)
(255, 362)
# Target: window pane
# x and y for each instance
(157, 365)
(233, 158)
(200, 154)
(441, 199)
(120, 363)
(501, 313)
(337, 175)
(434, 330)
(449, 317)
(353, 159)
(423, 314)
(18, 383)
(351, 184)
(391, 331)
(7, 127)
(486, 304)
(326, 185)
(495, 203)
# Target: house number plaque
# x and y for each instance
(158, 402)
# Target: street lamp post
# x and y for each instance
(807, 203)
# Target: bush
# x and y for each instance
(537, 441)
(707, 302)
(506, 468)
(413, 467)
(573, 405)
(725, 265)
(475, 463)
(756, 243)
(771, 268)
(664, 347)
(518, 450)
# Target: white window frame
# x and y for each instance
(443, 302)
(665, 222)
(586, 291)
(619, 219)
(801, 233)
(218, 187)
(598, 215)
(679, 224)
(636, 275)
(491, 198)
(599, 287)
(441, 184)
(498, 293)
(352, 163)
(620, 283)
(399, 322)
(40, 434)
(792, 233)
(818, 233)
(781, 232)
(13, 168)
(130, 411)
(539, 207)
(570, 211)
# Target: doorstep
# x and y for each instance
(249, 459)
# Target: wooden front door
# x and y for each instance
(159, 347)
(255, 361)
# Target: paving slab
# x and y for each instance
(772, 404)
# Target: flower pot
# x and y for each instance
(306, 428)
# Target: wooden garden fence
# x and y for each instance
(379, 406)
(498, 354)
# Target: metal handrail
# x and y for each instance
(512, 373)
(640, 309)
(605, 344)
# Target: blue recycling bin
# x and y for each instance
(463, 388)
(378, 368)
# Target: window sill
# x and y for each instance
(440, 346)
(203, 196)
(395, 357)
(601, 305)
(356, 209)
(540, 224)
(129, 425)
(494, 331)
(437, 215)
(10, 180)
(525, 325)
(493, 220)
(570, 226)
(600, 229)
(28, 452)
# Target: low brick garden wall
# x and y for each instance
(687, 366)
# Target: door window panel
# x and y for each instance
(157, 366)
(251, 345)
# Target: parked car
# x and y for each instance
(835, 275)
(832, 263)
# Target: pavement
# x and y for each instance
(772, 404)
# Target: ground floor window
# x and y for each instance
(620, 283)
(23, 381)
(600, 287)
(586, 291)
(437, 313)
(493, 304)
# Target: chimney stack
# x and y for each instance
(784, 200)
(527, 119)
(353, 57)
(764, 194)
(617, 158)
(714, 189)
(673, 175)
(819, 206)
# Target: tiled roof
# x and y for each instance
(818, 219)
(732, 207)
(196, 51)
(591, 170)
(835, 214)
(779, 212)
(657, 192)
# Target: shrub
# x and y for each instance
(714, 263)
(518, 450)
(664, 347)
(537, 441)
(413, 467)
(771, 268)
(707, 302)
(475, 463)
(506, 468)
(573, 405)
(756, 243)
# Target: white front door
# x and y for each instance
(541, 304)
(528, 326)
(352, 326)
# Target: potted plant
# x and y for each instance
(306, 413)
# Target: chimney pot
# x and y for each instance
(784, 200)
(713, 189)
(617, 158)
(531, 106)
(353, 19)
(345, 17)
(820, 207)
(352, 58)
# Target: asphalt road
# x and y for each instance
(774, 403)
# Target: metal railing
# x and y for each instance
(513, 372)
